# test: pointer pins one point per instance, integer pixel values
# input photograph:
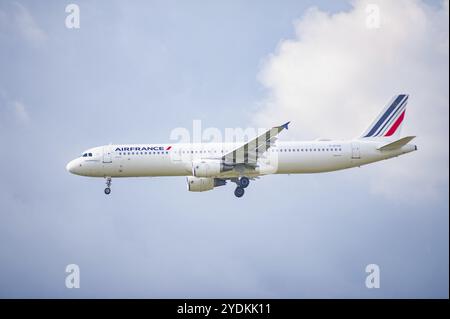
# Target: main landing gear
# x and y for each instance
(108, 186)
(242, 183)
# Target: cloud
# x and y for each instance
(333, 78)
(21, 112)
(12, 111)
(21, 22)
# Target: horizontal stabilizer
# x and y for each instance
(396, 144)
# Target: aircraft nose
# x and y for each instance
(70, 167)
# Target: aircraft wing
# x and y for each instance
(249, 152)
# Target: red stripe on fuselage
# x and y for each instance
(396, 125)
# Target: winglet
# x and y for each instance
(285, 125)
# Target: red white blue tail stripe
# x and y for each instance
(389, 121)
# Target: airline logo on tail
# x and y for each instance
(390, 119)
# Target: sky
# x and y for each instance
(135, 71)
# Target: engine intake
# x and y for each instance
(203, 184)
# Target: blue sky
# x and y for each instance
(135, 71)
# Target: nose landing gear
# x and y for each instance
(108, 186)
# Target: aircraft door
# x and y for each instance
(176, 155)
(356, 153)
(107, 154)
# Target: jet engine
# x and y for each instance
(206, 168)
(202, 184)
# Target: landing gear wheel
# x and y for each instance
(239, 191)
(108, 185)
(244, 182)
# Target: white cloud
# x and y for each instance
(21, 112)
(334, 77)
(20, 21)
(12, 110)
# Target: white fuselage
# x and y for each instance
(135, 160)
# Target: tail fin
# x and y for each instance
(389, 121)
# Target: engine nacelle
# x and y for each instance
(206, 168)
(200, 184)
(203, 184)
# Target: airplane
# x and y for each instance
(209, 165)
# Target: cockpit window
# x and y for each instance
(90, 154)
(84, 155)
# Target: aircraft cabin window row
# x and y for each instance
(204, 152)
(308, 150)
(143, 153)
